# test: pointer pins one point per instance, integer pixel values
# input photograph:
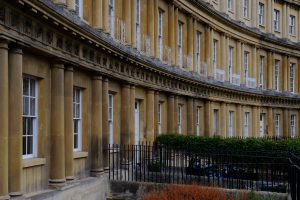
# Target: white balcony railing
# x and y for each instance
(220, 75)
(236, 79)
(251, 82)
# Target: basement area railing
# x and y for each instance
(259, 171)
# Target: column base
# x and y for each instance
(97, 172)
(70, 178)
(6, 197)
(57, 183)
(15, 194)
(106, 169)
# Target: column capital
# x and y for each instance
(97, 77)
(105, 79)
(150, 91)
(69, 68)
(4, 44)
(126, 86)
(59, 65)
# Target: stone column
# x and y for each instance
(15, 169)
(223, 50)
(127, 20)
(254, 13)
(286, 120)
(171, 32)
(69, 132)
(171, 114)
(133, 21)
(190, 44)
(242, 71)
(97, 14)
(150, 25)
(96, 134)
(238, 59)
(239, 121)
(4, 120)
(254, 63)
(57, 164)
(105, 16)
(208, 50)
(156, 29)
(208, 118)
(105, 134)
(255, 121)
(131, 118)
(125, 114)
(284, 21)
(223, 120)
(156, 102)
(270, 122)
(190, 116)
(150, 115)
(285, 66)
(270, 70)
(176, 114)
(71, 5)
(269, 16)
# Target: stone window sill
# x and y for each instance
(80, 154)
(33, 162)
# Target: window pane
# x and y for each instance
(75, 126)
(25, 105)
(75, 141)
(24, 145)
(32, 88)
(32, 106)
(30, 145)
(25, 86)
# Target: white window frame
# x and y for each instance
(79, 8)
(292, 25)
(276, 75)
(198, 51)
(28, 115)
(261, 71)
(277, 125)
(261, 13)
(180, 119)
(111, 13)
(179, 43)
(111, 118)
(246, 66)
(160, 33)
(246, 124)
(215, 43)
(230, 124)
(138, 24)
(276, 20)
(230, 67)
(198, 121)
(246, 8)
(159, 118)
(230, 5)
(293, 125)
(262, 119)
(292, 77)
(77, 118)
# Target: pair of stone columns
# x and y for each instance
(62, 163)
(11, 109)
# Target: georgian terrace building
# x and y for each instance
(76, 75)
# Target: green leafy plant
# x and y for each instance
(202, 143)
(155, 166)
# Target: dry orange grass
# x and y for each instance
(188, 192)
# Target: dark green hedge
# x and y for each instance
(231, 144)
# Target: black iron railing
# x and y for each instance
(260, 171)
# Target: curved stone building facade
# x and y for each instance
(76, 75)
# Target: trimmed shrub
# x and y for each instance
(237, 145)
